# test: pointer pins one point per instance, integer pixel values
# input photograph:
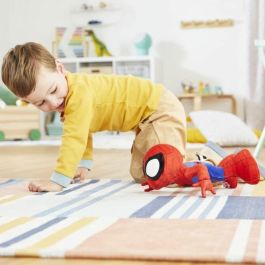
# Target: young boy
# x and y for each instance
(92, 103)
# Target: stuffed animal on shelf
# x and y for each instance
(163, 165)
(100, 47)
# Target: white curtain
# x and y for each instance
(255, 70)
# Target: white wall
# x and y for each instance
(210, 55)
(4, 27)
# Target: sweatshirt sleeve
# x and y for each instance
(78, 115)
(88, 154)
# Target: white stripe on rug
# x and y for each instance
(238, 245)
(213, 213)
(261, 245)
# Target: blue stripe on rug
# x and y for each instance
(95, 200)
(211, 205)
(192, 208)
(175, 207)
(10, 182)
(31, 232)
(77, 199)
(98, 188)
(5, 181)
(150, 208)
(243, 208)
(80, 186)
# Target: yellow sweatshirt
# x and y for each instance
(97, 103)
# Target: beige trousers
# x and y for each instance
(167, 125)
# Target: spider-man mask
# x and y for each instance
(160, 165)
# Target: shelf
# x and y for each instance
(103, 12)
(197, 100)
(106, 59)
(141, 66)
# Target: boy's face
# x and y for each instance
(50, 91)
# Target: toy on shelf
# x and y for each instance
(75, 46)
(143, 43)
(23, 123)
(163, 165)
(17, 120)
(55, 127)
(97, 6)
(187, 88)
(207, 89)
(21, 103)
(218, 90)
(100, 47)
(94, 22)
(202, 89)
(78, 43)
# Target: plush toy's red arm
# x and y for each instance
(201, 172)
(146, 184)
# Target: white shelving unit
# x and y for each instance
(141, 66)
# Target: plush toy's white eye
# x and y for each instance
(152, 168)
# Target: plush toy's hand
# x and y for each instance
(146, 184)
(80, 175)
(205, 185)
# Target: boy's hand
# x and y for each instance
(80, 175)
(44, 185)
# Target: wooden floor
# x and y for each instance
(38, 162)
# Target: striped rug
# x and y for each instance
(116, 219)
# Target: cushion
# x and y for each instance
(7, 96)
(194, 135)
(223, 128)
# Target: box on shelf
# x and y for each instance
(136, 70)
(97, 69)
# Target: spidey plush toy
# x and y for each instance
(163, 165)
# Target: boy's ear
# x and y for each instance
(60, 67)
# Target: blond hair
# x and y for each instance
(21, 65)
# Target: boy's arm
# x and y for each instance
(86, 160)
(77, 115)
